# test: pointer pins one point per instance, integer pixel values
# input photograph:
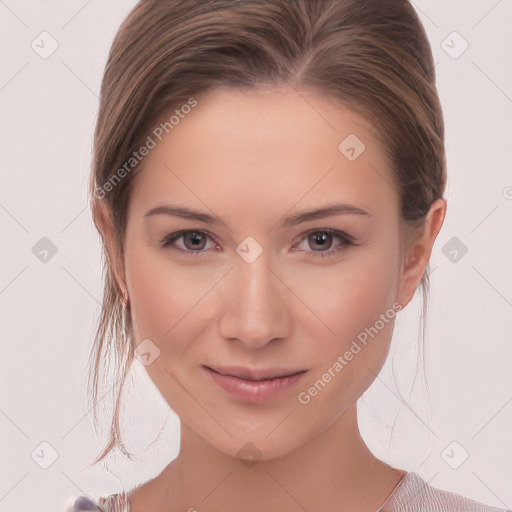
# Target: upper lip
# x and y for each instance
(255, 374)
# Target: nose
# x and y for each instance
(255, 307)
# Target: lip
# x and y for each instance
(254, 374)
(255, 386)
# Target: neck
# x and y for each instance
(335, 470)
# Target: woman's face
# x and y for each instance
(265, 287)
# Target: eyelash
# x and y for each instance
(346, 240)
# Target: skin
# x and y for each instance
(252, 158)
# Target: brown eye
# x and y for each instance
(194, 240)
(320, 242)
(193, 243)
(321, 239)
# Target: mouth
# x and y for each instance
(254, 386)
(255, 375)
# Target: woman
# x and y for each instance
(268, 183)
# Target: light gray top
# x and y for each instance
(412, 494)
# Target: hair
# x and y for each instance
(372, 57)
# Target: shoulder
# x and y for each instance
(414, 494)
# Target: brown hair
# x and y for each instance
(372, 56)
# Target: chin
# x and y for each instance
(256, 443)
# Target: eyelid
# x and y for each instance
(346, 239)
(169, 239)
(335, 232)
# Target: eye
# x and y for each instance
(193, 242)
(322, 238)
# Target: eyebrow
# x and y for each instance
(293, 220)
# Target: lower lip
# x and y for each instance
(254, 391)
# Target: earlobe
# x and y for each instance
(416, 258)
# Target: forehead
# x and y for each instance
(254, 148)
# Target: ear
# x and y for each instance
(416, 257)
(104, 224)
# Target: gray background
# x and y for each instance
(48, 308)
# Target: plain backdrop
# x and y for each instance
(48, 308)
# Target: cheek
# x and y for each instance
(161, 296)
(355, 300)
(350, 296)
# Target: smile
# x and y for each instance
(255, 387)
